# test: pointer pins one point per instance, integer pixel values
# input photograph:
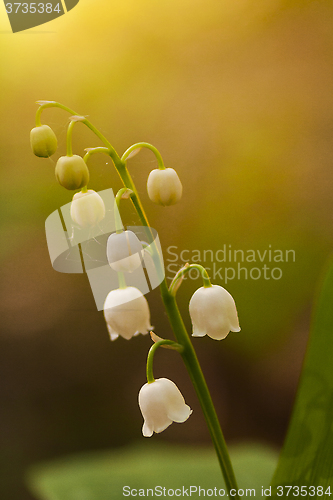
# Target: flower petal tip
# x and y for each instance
(146, 430)
(198, 334)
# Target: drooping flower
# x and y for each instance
(213, 312)
(72, 172)
(126, 313)
(164, 186)
(124, 251)
(43, 141)
(161, 403)
(87, 209)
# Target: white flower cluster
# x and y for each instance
(213, 313)
(87, 207)
(212, 309)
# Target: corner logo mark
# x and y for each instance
(74, 249)
(23, 16)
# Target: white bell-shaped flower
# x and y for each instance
(161, 403)
(124, 251)
(126, 313)
(213, 312)
(164, 186)
(87, 209)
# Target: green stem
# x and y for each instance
(92, 151)
(69, 138)
(140, 145)
(121, 280)
(189, 357)
(199, 383)
(151, 353)
(118, 198)
(175, 283)
(54, 104)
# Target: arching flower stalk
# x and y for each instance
(126, 310)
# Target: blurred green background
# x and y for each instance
(237, 96)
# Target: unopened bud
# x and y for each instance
(164, 186)
(87, 209)
(72, 172)
(43, 141)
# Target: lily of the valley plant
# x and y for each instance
(212, 309)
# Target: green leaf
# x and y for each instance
(307, 455)
(102, 476)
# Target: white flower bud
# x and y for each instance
(161, 403)
(213, 312)
(87, 209)
(43, 141)
(164, 186)
(124, 251)
(126, 313)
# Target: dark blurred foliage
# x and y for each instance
(237, 96)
